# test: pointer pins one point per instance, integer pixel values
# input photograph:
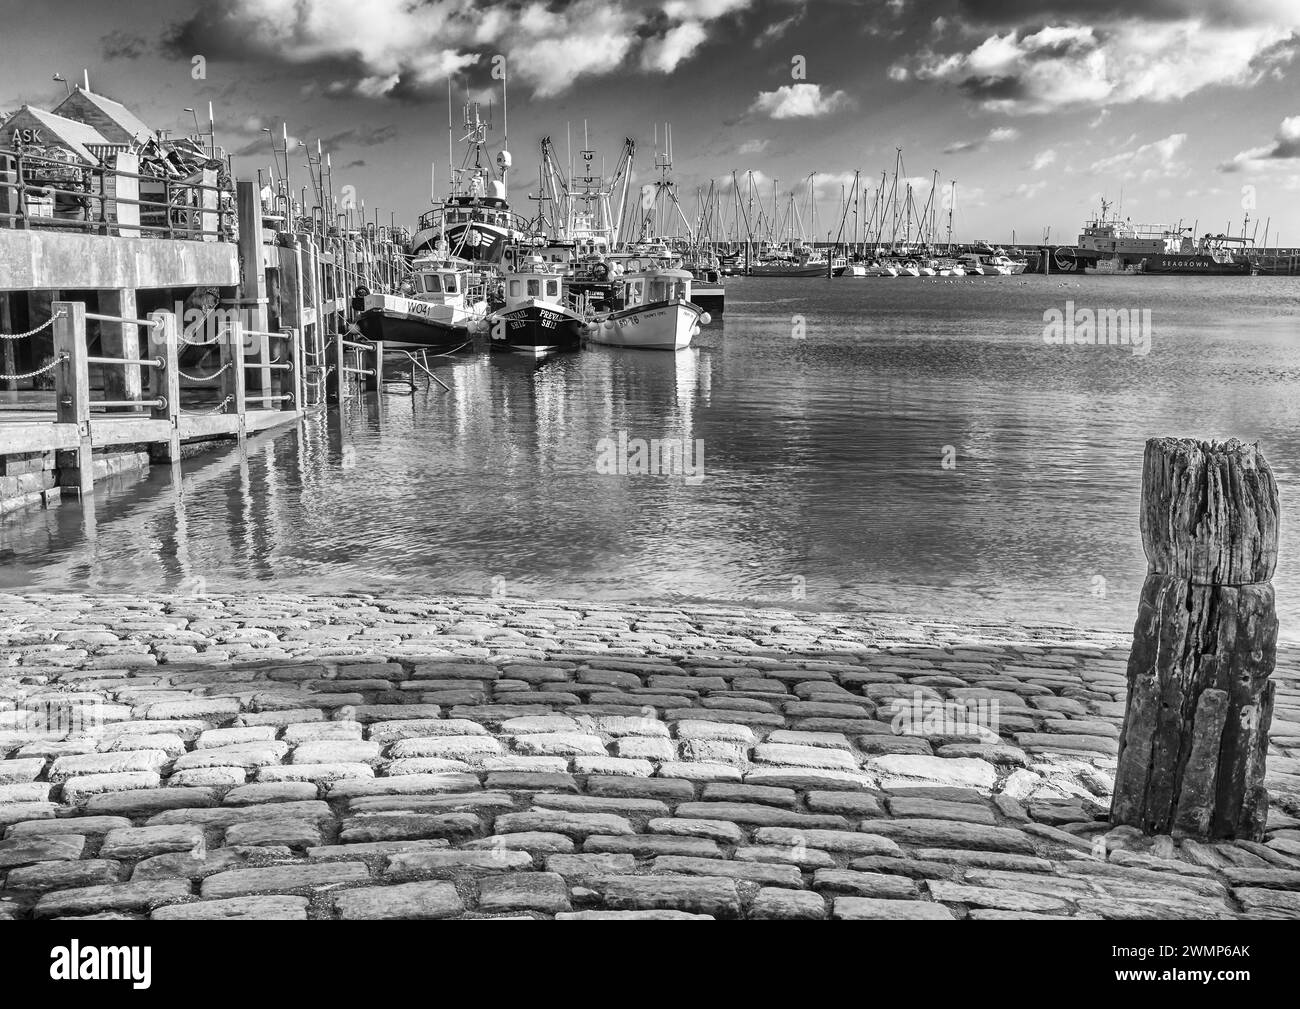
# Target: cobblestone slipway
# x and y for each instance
(290, 756)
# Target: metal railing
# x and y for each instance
(97, 199)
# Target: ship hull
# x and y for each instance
(1165, 265)
(535, 329)
(661, 326)
(710, 297)
(406, 323)
(765, 270)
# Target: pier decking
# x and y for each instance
(298, 756)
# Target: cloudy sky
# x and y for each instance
(1036, 108)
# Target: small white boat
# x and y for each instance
(909, 269)
(855, 270)
(653, 312)
(879, 269)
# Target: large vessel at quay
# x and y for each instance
(1110, 245)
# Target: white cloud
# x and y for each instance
(400, 46)
(677, 45)
(1156, 160)
(1111, 62)
(1283, 152)
(997, 135)
(753, 147)
(798, 101)
(1044, 158)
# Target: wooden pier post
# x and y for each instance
(72, 397)
(8, 361)
(232, 379)
(339, 362)
(375, 380)
(295, 384)
(1195, 735)
(120, 339)
(167, 385)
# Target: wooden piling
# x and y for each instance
(166, 386)
(232, 378)
(120, 339)
(1195, 735)
(72, 397)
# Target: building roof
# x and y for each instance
(115, 111)
(78, 137)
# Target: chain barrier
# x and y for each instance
(39, 371)
(205, 378)
(220, 406)
(32, 332)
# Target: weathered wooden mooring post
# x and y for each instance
(1200, 701)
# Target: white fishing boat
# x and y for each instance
(652, 311)
(435, 307)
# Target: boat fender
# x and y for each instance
(705, 318)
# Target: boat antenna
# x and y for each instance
(451, 152)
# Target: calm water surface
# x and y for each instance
(823, 462)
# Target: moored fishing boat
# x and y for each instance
(533, 315)
(475, 221)
(652, 310)
(435, 307)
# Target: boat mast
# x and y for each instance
(952, 202)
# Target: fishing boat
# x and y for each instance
(707, 288)
(533, 315)
(653, 310)
(436, 306)
(475, 221)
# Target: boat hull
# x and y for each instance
(1164, 265)
(406, 323)
(765, 270)
(537, 328)
(710, 297)
(659, 326)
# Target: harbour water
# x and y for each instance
(905, 445)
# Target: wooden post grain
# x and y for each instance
(166, 385)
(1200, 701)
(232, 378)
(72, 396)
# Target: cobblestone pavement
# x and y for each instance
(289, 756)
